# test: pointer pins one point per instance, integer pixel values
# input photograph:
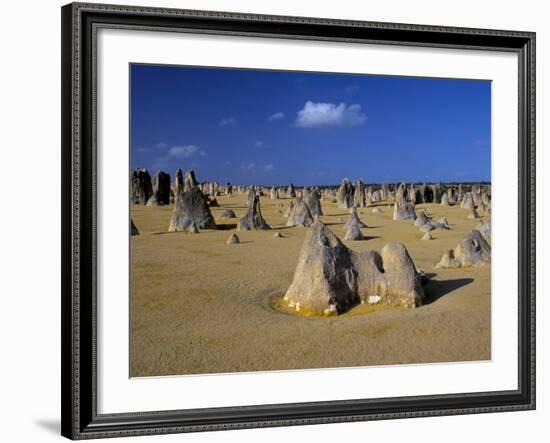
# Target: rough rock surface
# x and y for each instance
(344, 195)
(253, 219)
(359, 194)
(354, 220)
(353, 233)
(161, 190)
(330, 278)
(485, 229)
(422, 219)
(473, 214)
(141, 187)
(191, 208)
(405, 211)
(473, 250)
(311, 198)
(291, 192)
(299, 214)
(233, 239)
(190, 181)
(177, 187)
(467, 201)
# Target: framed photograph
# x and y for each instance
(273, 221)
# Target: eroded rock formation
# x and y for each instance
(141, 187)
(344, 195)
(299, 214)
(191, 207)
(473, 250)
(330, 278)
(253, 219)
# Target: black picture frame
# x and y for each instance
(79, 171)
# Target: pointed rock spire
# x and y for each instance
(253, 219)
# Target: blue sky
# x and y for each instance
(271, 127)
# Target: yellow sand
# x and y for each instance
(201, 306)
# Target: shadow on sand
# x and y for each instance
(435, 289)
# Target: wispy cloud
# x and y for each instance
(269, 167)
(329, 114)
(182, 151)
(160, 145)
(228, 121)
(260, 144)
(249, 167)
(177, 153)
(276, 116)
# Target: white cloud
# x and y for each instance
(175, 153)
(161, 145)
(229, 121)
(182, 151)
(269, 167)
(249, 166)
(276, 116)
(329, 114)
(259, 144)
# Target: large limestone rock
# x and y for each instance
(253, 219)
(422, 219)
(161, 190)
(485, 229)
(353, 232)
(359, 194)
(436, 193)
(473, 250)
(311, 199)
(291, 192)
(467, 201)
(403, 209)
(190, 181)
(344, 195)
(354, 220)
(330, 278)
(177, 187)
(141, 187)
(473, 214)
(191, 207)
(299, 214)
(445, 199)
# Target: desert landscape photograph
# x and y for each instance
(284, 220)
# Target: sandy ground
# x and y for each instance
(201, 306)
